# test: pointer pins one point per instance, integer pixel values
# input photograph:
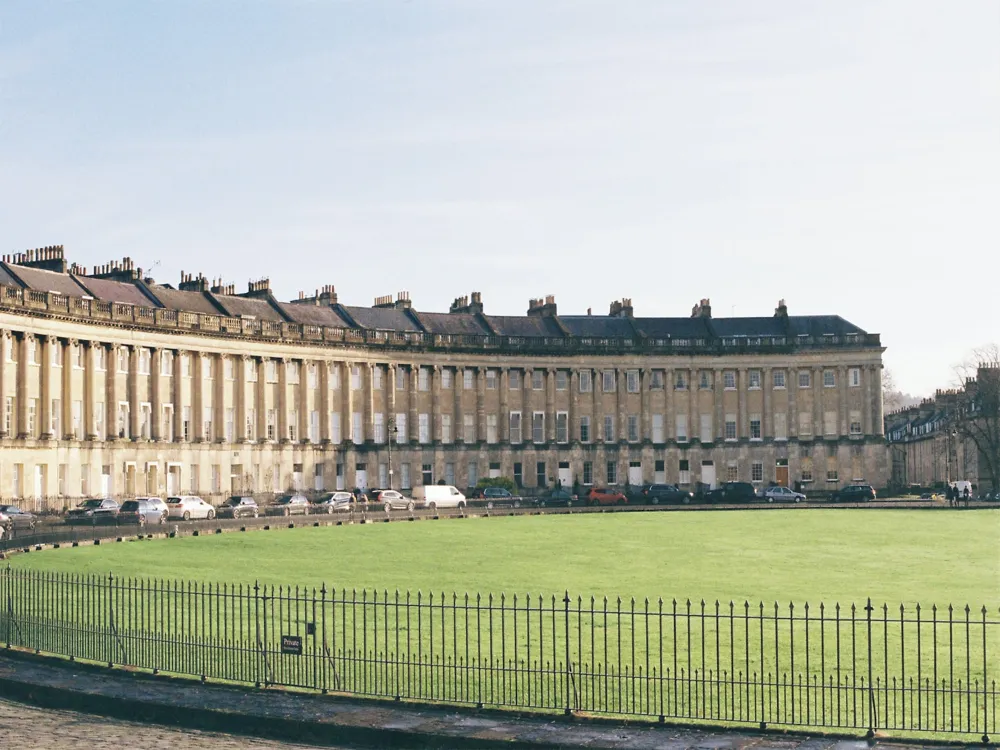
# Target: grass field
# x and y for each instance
(831, 555)
(754, 663)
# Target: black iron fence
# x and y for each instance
(906, 669)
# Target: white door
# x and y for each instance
(708, 474)
(635, 473)
(39, 483)
(361, 479)
(565, 474)
(105, 485)
(494, 473)
(173, 480)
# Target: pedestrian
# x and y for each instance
(949, 495)
(968, 494)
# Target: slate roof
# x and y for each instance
(195, 302)
(118, 291)
(453, 324)
(677, 328)
(6, 278)
(525, 326)
(314, 315)
(260, 309)
(382, 318)
(598, 326)
(819, 325)
(49, 281)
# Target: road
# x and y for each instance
(23, 726)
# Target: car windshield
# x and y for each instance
(286, 499)
(173, 500)
(8, 509)
(92, 504)
(234, 501)
(130, 505)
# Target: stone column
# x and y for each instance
(111, 387)
(645, 418)
(573, 407)
(45, 389)
(22, 387)
(240, 398)
(413, 428)
(281, 403)
(719, 395)
(867, 403)
(817, 383)
(437, 430)
(550, 404)
(742, 391)
(303, 398)
(480, 404)
(767, 419)
(177, 388)
(156, 400)
(261, 405)
(458, 418)
(621, 406)
(527, 405)
(197, 410)
(324, 401)
(694, 422)
(5, 341)
(845, 425)
(89, 391)
(503, 419)
(792, 384)
(69, 347)
(670, 418)
(134, 401)
(219, 399)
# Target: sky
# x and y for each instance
(842, 155)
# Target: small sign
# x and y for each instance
(291, 644)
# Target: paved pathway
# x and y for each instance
(230, 717)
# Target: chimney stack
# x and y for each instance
(542, 307)
(702, 310)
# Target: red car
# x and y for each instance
(598, 496)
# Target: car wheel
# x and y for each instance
(31, 526)
(517, 503)
(489, 505)
(142, 520)
(288, 512)
(163, 520)
(569, 503)
(432, 505)
(187, 515)
(540, 504)
(211, 515)
(685, 500)
(255, 513)
(655, 501)
(409, 505)
(461, 505)
(798, 499)
(769, 499)
(388, 507)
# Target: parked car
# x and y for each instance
(733, 492)
(781, 495)
(438, 496)
(493, 493)
(663, 493)
(393, 500)
(604, 496)
(141, 511)
(557, 496)
(290, 505)
(238, 507)
(854, 493)
(188, 507)
(15, 518)
(158, 503)
(333, 502)
(93, 511)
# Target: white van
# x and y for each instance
(962, 485)
(438, 496)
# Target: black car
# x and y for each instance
(493, 493)
(663, 493)
(141, 512)
(17, 518)
(733, 492)
(238, 507)
(93, 511)
(854, 493)
(557, 497)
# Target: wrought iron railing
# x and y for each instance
(908, 670)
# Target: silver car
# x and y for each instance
(782, 495)
(392, 500)
(333, 502)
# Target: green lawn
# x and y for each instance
(894, 556)
(749, 663)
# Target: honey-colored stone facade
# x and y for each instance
(113, 398)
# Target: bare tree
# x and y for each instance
(892, 397)
(977, 418)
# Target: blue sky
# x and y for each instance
(842, 155)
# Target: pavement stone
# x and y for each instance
(217, 716)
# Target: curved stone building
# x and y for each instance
(114, 384)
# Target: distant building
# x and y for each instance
(114, 384)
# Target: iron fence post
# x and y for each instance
(872, 717)
(569, 676)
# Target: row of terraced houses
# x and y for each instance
(114, 384)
